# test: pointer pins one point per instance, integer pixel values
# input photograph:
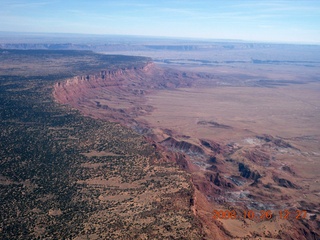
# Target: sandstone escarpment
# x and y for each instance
(69, 90)
(118, 94)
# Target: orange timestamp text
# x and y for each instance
(261, 214)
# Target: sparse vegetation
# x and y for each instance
(50, 186)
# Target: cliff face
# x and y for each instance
(70, 90)
(134, 80)
(118, 94)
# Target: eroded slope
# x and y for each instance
(245, 170)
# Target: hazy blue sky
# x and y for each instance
(262, 20)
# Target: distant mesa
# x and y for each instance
(214, 124)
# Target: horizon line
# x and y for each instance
(166, 37)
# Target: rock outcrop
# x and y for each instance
(258, 157)
(71, 89)
(247, 173)
(284, 182)
(213, 146)
(220, 181)
(182, 146)
(276, 141)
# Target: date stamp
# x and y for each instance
(259, 214)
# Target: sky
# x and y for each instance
(295, 21)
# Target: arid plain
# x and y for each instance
(201, 140)
(242, 119)
(238, 116)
